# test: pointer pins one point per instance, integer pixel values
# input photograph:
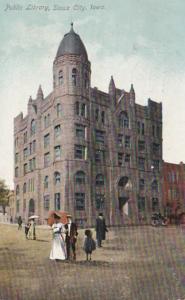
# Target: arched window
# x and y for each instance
(80, 177)
(17, 190)
(31, 206)
(57, 177)
(60, 77)
(155, 185)
(24, 188)
(123, 120)
(59, 109)
(33, 127)
(123, 181)
(99, 180)
(46, 182)
(74, 76)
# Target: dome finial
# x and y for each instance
(71, 26)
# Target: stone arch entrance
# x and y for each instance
(31, 207)
(124, 187)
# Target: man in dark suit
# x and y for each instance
(101, 229)
(71, 237)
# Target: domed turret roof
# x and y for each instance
(71, 44)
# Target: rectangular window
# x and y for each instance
(141, 184)
(141, 162)
(25, 169)
(83, 110)
(99, 136)
(141, 145)
(57, 131)
(138, 127)
(127, 141)
(120, 159)
(34, 146)
(97, 114)
(16, 158)
(155, 164)
(46, 140)
(99, 156)
(25, 137)
(80, 152)
(141, 204)
(57, 201)
(156, 148)
(46, 202)
(80, 131)
(143, 129)
(80, 201)
(25, 151)
(100, 201)
(120, 139)
(103, 117)
(127, 158)
(57, 152)
(46, 159)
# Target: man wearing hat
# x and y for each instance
(71, 237)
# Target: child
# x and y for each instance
(89, 244)
(27, 227)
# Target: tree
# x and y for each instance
(4, 192)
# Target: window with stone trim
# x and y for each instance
(57, 131)
(120, 140)
(80, 152)
(103, 117)
(46, 140)
(123, 120)
(80, 131)
(16, 158)
(99, 136)
(127, 158)
(80, 201)
(141, 163)
(17, 190)
(141, 184)
(100, 201)
(16, 172)
(46, 182)
(25, 153)
(25, 137)
(155, 164)
(47, 121)
(86, 80)
(80, 177)
(156, 148)
(96, 114)
(25, 168)
(57, 178)
(99, 180)
(74, 76)
(154, 185)
(59, 109)
(60, 77)
(141, 145)
(100, 156)
(57, 151)
(120, 158)
(33, 127)
(127, 141)
(57, 203)
(46, 202)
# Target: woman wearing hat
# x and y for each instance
(58, 249)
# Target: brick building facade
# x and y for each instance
(84, 151)
(173, 188)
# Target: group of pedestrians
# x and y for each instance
(29, 228)
(65, 238)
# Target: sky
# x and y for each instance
(137, 41)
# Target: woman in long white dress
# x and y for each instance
(58, 249)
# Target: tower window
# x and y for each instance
(33, 127)
(60, 78)
(57, 178)
(59, 109)
(74, 76)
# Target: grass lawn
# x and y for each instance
(135, 263)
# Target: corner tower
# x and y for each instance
(71, 93)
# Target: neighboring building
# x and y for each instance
(173, 188)
(84, 151)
